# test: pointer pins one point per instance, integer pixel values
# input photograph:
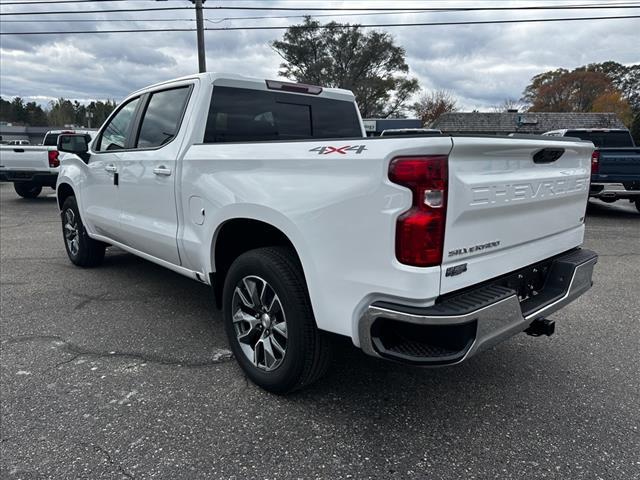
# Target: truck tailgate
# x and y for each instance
(619, 163)
(25, 158)
(507, 210)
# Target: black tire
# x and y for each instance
(638, 205)
(27, 189)
(308, 350)
(85, 252)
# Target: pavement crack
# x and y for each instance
(218, 356)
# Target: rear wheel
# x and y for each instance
(269, 321)
(81, 249)
(27, 189)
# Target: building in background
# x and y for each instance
(536, 123)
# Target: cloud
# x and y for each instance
(480, 64)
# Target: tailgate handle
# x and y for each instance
(18, 150)
(548, 155)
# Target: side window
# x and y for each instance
(162, 117)
(114, 136)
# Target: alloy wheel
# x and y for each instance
(71, 232)
(259, 322)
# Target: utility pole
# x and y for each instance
(202, 60)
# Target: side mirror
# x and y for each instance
(76, 143)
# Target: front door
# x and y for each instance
(100, 191)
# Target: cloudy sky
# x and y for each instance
(481, 64)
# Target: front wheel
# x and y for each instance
(269, 321)
(81, 249)
(27, 189)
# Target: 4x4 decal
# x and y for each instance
(326, 150)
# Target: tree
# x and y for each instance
(343, 56)
(35, 115)
(541, 80)
(61, 112)
(571, 92)
(625, 78)
(5, 110)
(433, 104)
(575, 90)
(635, 128)
(613, 102)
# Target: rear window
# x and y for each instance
(50, 140)
(604, 139)
(245, 115)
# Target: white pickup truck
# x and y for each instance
(421, 250)
(30, 168)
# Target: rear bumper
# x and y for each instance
(615, 191)
(463, 324)
(45, 179)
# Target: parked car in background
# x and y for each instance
(30, 168)
(422, 250)
(395, 132)
(615, 164)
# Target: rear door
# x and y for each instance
(148, 217)
(511, 203)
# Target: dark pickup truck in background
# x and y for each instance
(615, 164)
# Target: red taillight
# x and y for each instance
(53, 159)
(420, 230)
(595, 162)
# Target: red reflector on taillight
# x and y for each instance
(420, 230)
(53, 159)
(595, 162)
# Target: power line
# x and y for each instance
(433, 9)
(421, 24)
(212, 20)
(114, 10)
(332, 9)
(222, 19)
(53, 2)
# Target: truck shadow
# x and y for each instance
(518, 392)
(620, 209)
(353, 375)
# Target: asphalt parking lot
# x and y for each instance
(123, 372)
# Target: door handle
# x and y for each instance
(111, 168)
(162, 170)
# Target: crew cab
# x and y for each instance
(615, 163)
(421, 250)
(30, 168)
